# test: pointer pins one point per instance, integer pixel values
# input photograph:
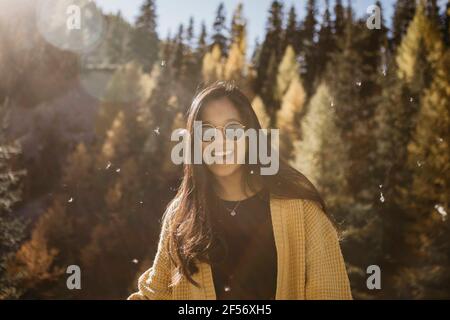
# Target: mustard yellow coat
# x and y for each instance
(309, 260)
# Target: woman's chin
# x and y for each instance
(223, 170)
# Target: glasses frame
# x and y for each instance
(221, 128)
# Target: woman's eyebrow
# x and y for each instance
(232, 119)
(225, 122)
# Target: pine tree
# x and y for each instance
(123, 92)
(110, 245)
(422, 63)
(193, 59)
(158, 119)
(321, 154)
(34, 263)
(260, 110)
(287, 117)
(116, 144)
(326, 44)
(78, 176)
(238, 24)
(119, 188)
(308, 46)
(288, 70)
(269, 58)
(428, 229)
(346, 78)
(178, 63)
(166, 49)
(144, 42)
(375, 44)
(397, 117)
(275, 26)
(447, 24)
(219, 26)
(213, 66)
(190, 32)
(78, 205)
(354, 88)
(418, 54)
(290, 33)
(256, 53)
(106, 199)
(12, 227)
(432, 9)
(403, 14)
(201, 46)
(267, 91)
(339, 19)
(235, 64)
(125, 85)
(118, 31)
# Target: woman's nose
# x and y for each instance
(219, 138)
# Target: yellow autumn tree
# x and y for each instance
(235, 64)
(78, 166)
(287, 116)
(116, 144)
(261, 113)
(34, 263)
(321, 154)
(288, 71)
(421, 32)
(213, 65)
(428, 229)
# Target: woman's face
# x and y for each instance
(222, 113)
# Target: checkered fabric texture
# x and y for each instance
(309, 259)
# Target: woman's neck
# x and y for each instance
(231, 188)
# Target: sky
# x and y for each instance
(173, 12)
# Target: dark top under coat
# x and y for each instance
(244, 259)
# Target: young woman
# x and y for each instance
(232, 233)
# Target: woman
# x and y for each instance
(232, 233)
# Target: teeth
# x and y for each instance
(221, 154)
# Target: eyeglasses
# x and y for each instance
(232, 131)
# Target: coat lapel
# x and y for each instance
(280, 244)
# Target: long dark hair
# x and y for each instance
(190, 233)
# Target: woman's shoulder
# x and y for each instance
(302, 204)
(313, 216)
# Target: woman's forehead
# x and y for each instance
(219, 112)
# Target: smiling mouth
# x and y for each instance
(223, 153)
